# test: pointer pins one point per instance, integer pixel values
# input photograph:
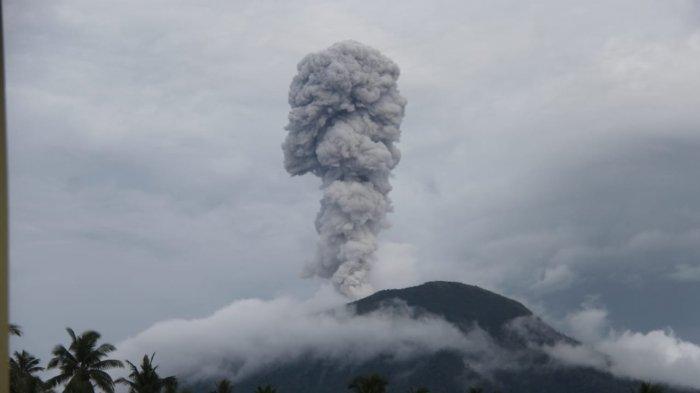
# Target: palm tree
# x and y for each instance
(368, 384)
(15, 330)
(265, 389)
(82, 365)
(22, 379)
(147, 380)
(224, 386)
(650, 388)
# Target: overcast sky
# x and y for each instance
(550, 152)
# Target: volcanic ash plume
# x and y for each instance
(344, 120)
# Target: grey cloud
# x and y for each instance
(564, 138)
(616, 223)
(686, 273)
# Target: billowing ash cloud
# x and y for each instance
(344, 120)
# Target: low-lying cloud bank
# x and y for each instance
(248, 335)
(658, 355)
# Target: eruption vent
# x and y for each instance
(344, 121)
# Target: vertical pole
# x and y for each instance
(4, 254)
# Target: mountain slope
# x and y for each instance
(460, 304)
(466, 306)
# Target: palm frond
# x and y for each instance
(132, 366)
(102, 380)
(108, 363)
(15, 330)
(125, 381)
(58, 380)
(71, 333)
(62, 358)
(90, 336)
(106, 348)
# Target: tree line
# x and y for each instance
(84, 364)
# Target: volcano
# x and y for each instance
(515, 362)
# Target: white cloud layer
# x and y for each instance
(248, 335)
(657, 355)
